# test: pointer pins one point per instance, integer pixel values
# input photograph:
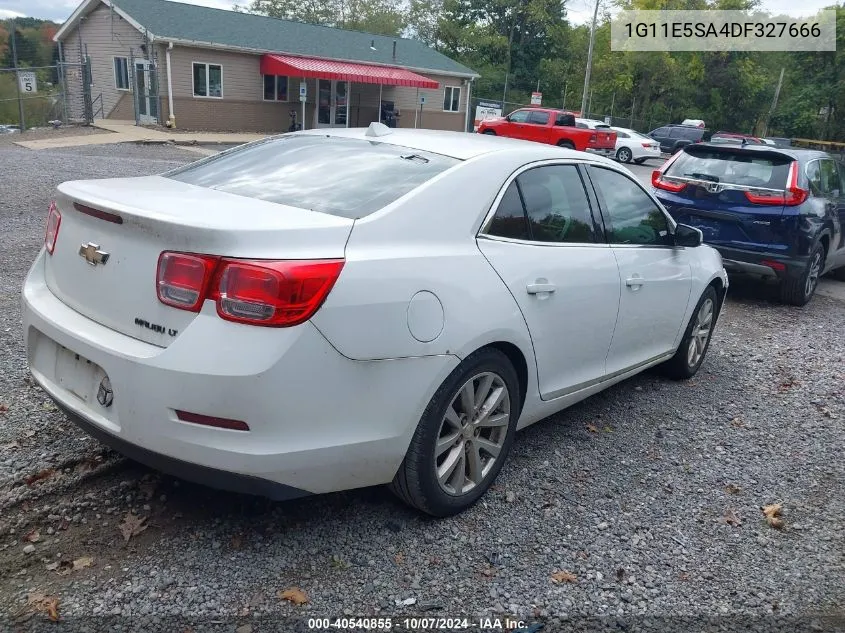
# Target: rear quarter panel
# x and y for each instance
(426, 242)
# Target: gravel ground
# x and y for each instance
(648, 496)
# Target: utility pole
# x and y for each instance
(633, 100)
(589, 106)
(589, 60)
(13, 37)
(774, 103)
(565, 86)
(612, 103)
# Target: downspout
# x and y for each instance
(171, 121)
(468, 104)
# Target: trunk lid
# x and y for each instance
(113, 231)
(715, 198)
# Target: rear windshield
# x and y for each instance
(350, 178)
(733, 168)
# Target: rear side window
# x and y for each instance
(540, 118)
(661, 131)
(556, 204)
(510, 220)
(622, 134)
(732, 167)
(350, 178)
(829, 178)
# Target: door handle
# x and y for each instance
(634, 282)
(537, 288)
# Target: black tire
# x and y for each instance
(416, 482)
(566, 144)
(624, 155)
(798, 291)
(639, 161)
(681, 366)
(490, 132)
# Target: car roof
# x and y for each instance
(460, 145)
(796, 154)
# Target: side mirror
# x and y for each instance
(688, 236)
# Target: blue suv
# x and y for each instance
(777, 213)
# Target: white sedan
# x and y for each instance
(333, 309)
(636, 147)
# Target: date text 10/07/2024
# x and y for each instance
(416, 624)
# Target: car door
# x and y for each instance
(536, 128)
(517, 124)
(655, 276)
(661, 135)
(545, 243)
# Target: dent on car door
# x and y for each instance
(543, 242)
(655, 276)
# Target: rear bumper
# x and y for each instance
(768, 265)
(314, 424)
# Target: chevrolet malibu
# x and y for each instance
(327, 310)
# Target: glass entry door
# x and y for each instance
(332, 103)
(145, 84)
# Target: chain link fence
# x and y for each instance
(39, 96)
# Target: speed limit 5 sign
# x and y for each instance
(27, 82)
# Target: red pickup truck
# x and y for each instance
(555, 127)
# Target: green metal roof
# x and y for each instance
(176, 20)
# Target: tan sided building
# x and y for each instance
(157, 61)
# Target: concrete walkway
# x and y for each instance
(128, 132)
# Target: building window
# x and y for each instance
(121, 73)
(452, 99)
(275, 88)
(208, 80)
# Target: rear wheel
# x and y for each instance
(566, 144)
(623, 155)
(690, 355)
(463, 437)
(798, 291)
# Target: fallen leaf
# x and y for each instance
(82, 563)
(772, 510)
(294, 594)
(776, 522)
(608, 429)
(399, 558)
(65, 524)
(683, 576)
(733, 489)
(737, 423)
(132, 525)
(732, 519)
(563, 576)
(40, 476)
(45, 604)
(33, 536)
(592, 428)
(3, 408)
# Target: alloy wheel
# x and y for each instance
(624, 155)
(813, 274)
(472, 433)
(700, 333)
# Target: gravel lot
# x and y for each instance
(649, 494)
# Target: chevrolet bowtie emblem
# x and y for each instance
(92, 254)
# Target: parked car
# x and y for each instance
(285, 336)
(674, 137)
(591, 124)
(9, 129)
(733, 138)
(633, 146)
(771, 212)
(693, 122)
(780, 141)
(554, 127)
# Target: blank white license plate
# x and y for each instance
(77, 374)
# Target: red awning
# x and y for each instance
(344, 71)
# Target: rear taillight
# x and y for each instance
(182, 279)
(658, 182)
(51, 234)
(259, 292)
(774, 265)
(646, 145)
(273, 293)
(792, 195)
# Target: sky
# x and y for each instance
(579, 11)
